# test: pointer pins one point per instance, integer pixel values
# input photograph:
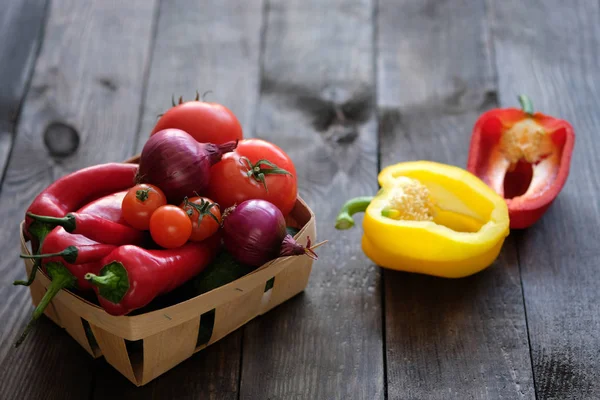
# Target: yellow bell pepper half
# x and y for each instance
(430, 218)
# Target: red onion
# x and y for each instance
(178, 164)
(254, 232)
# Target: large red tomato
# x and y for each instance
(206, 122)
(256, 169)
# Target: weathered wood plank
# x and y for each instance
(82, 109)
(202, 46)
(205, 46)
(466, 338)
(316, 103)
(21, 30)
(550, 50)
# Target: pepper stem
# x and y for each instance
(69, 254)
(344, 219)
(526, 104)
(38, 230)
(61, 279)
(113, 282)
(67, 222)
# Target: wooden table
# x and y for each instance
(345, 87)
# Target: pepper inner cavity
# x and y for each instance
(410, 200)
(524, 145)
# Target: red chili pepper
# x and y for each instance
(80, 255)
(72, 191)
(77, 253)
(95, 227)
(76, 250)
(132, 276)
(524, 156)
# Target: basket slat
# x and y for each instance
(289, 283)
(72, 323)
(168, 348)
(236, 313)
(114, 350)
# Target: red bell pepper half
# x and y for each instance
(524, 156)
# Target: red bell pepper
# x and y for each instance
(524, 156)
(132, 276)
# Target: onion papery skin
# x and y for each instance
(179, 165)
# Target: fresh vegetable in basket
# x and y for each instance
(74, 190)
(76, 250)
(524, 157)
(94, 227)
(256, 169)
(205, 215)
(69, 193)
(131, 277)
(140, 202)
(170, 226)
(223, 270)
(79, 255)
(179, 165)
(430, 218)
(204, 121)
(254, 232)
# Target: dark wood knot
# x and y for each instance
(61, 140)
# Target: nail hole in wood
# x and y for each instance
(60, 139)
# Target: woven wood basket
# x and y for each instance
(142, 347)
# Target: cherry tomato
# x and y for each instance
(206, 122)
(170, 226)
(139, 203)
(231, 181)
(205, 215)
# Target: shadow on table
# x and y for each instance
(425, 313)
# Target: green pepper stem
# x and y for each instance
(526, 104)
(112, 283)
(107, 281)
(344, 219)
(61, 279)
(67, 222)
(69, 255)
(38, 230)
(31, 277)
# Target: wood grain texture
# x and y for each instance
(550, 50)
(86, 45)
(200, 45)
(316, 103)
(209, 45)
(21, 30)
(466, 338)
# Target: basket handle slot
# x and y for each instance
(135, 351)
(269, 285)
(266, 297)
(207, 324)
(91, 338)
